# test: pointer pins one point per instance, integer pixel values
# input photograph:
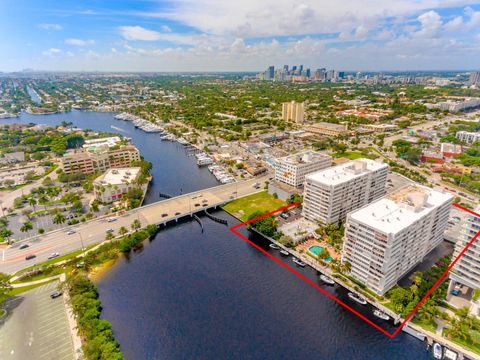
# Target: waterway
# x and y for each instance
(210, 295)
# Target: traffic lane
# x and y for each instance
(95, 231)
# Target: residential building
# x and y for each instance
(108, 141)
(329, 129)
(468, 137)
(449, 150)
(388, 238)
(292, 169)
(332, 193)
(381, 128)
(111, 185)
(467, 269)
(293, 111)
(99, 159)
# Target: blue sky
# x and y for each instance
(210, 35)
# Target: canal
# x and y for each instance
(193, 295)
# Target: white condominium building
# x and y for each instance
(468, 137)
(293, 111)
(332, 193)
(292, 169)
(386, 239)
(467, 269)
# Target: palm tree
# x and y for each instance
(347, 267)
(109, 236)
(32, 202)
(59, 218)
(136, 224)
(122, 231)
(26, 227)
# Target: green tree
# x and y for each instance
(4, 287)
(26, 227)
(136, 225)
(59, 218)
(266, 225)
(122, 231)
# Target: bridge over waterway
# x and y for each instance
(12, 258)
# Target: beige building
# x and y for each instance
(99, 159)
(292, 169)
(293, 111)
(330, 194)
(114, 183)
(329, 129)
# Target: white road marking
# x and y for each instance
(3, 255)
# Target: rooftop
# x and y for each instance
(346, 171)
(304, 157)
(401, 209)
(119, 176)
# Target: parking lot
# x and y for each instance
(36, 327)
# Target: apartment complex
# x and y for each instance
(99, 159)
(386, 239)
(293, 111)
(332, 193)
(329, 129)
(292, 169)
(467, 270)
(468, 137)
(111, 185)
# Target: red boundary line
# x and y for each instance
(319, 288)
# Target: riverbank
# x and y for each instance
(341, 279)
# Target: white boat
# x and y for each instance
(274, 246)
(327, 280)
(357, 298)
(437, 351)
(380, 314)
(298, 262)
(204, 161)
(284, 252)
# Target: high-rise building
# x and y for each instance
(285, 68)
(468, 137)
(474, 78)
(270, 73)
(319, 74)
(293, 111)
(388, 238)
(467, 269)
(332, 193)
(292, 169)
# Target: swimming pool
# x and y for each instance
(317, 250)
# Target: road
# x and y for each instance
(12, 258)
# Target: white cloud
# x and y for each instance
(430, 24)
(51, 52)
(79, 42)
(454, 24)
(361, 32)
(166, 28)
(50, 26)
(139, 33)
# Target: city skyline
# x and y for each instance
(210, 35)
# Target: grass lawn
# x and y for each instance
(68, 256)
(261, 201)
(427, 325)
(19, 290)
(352, 155)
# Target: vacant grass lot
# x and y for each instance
(244, 207)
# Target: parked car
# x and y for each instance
(55, 294)
(23, 246)
(80, 265)
(456, 290)
(164, 215)
(177, 213)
